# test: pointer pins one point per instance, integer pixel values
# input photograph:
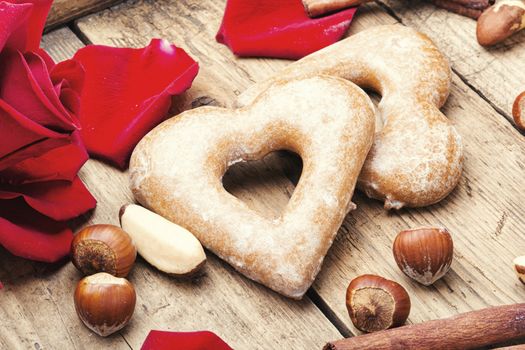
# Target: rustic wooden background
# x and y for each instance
(484, 214)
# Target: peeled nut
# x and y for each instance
(103, 248)
(424, 254)
(104, 303)
(375, 303)
(500, 21)
(163, 244)
(519, 267)
(518, 111)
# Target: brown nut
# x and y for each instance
(103, 248)
(375, 303)
(104, 303)
(500, 21)
(518, 111)
(519, 267)
(424, 254)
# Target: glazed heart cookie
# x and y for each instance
(417, 156)
(177, 169)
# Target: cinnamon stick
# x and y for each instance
(316, 8)
(464, 331)
(475, 4)
(454, 6)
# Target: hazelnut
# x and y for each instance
(518, 111)
(519, 267)
(424, 254)
(165, 245)
(375, 303)
(103, 248)
(104, 303)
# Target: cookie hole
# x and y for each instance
(265, 185)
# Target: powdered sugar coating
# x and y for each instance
(417, 156)
(176, 170)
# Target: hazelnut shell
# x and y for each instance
(104, 303)
(375, 303)
(518, 111)
(424, 254)
(103, 248)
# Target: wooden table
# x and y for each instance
(484, 213)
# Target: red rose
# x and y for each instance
(40, 149)
(117, 94)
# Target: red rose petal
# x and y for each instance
(30, 235)
(204, 340)
(70, 71)
(61, 162)
(58, 200)
(12, 17)
(48, 60)
(127, 92)
(22, 23)
(27, 87)
(278, 28)
(19, 131)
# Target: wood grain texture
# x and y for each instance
(36, 305)
(497, 73)
(484, 214)
(63, 11)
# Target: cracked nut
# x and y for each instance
(165, 245)
(103, 248)
(424, 254)
(104, 303)
(519, 267)
(500, 21)
(375, 303)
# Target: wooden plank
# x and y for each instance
(483, 213)
(496, 73)
(38, 306)
(63, 11)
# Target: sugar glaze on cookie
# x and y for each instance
(417, 156)
(176, 170)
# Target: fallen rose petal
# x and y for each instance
(22, 23)
(204, 340)
(27, 234)
(127, 92)
(278, 28)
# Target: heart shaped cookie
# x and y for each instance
(176, 171)
(417, 156)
